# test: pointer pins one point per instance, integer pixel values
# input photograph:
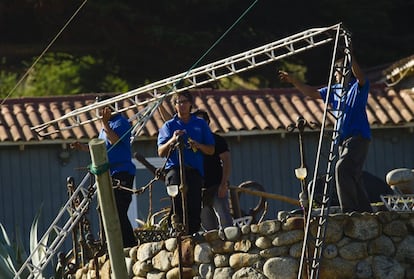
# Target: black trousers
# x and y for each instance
(348, 175)
(194, 183)
(123, 199)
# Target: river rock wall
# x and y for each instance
(379, 245)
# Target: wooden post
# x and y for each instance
(266, 195)
(108, 207)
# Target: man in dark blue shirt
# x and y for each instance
(198, 140)
(354, 134)
(116, 132)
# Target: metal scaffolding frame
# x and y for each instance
(150, 96)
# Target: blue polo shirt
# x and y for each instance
(119, 155)
(355, 120)
(196, 129)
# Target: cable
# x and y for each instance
(194, 65)
(43, 53)
(221, 37)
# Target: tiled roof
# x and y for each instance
(235, 112)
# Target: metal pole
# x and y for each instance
(303, 197)
(183, 184)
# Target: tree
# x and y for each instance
(63, 74)
(148, 41)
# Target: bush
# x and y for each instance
(63, 74)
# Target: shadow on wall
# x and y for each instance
(374, 186)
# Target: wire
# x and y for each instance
(192, 67)
(204, 55)
(221, 37)
(44, 52)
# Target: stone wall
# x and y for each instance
(379, 245)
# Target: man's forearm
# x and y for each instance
(164, 148)
(306, 89)
(358, 73)
(110, 134)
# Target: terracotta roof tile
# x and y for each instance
(408, 99)
(230, 111)
(32, 115)
(274, 123)
(402, 108)
(224, 116)
(279, 111)
(371, 115)
(4, 134)
(21, 117)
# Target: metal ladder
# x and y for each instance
(149, 98)
(43, 252)
(312, 254)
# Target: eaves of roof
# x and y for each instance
(232, 113)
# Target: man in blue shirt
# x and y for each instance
(197, 138)
(354, 134)
(116, 132)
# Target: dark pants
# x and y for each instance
(194, 183)
(123, 199)
(348, 174)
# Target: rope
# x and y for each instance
(136, 191)
(97, 170)
(43, 53)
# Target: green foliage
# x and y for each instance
(63, 74)
(13, 254)
(113, 83)
(54, 74)
(7, 82)
(298, 70)
(236, 83)
(9, 256)
(7, 79)
(150, 40)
